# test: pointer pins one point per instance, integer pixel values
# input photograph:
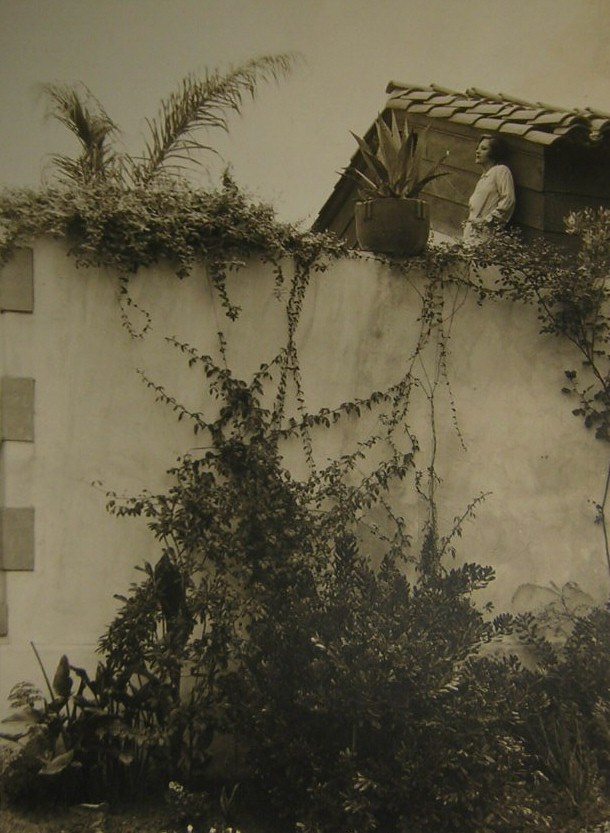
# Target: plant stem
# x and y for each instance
(602, 516)
(42, 668)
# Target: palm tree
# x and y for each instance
(203, 103)
(199, 103)
(78, 110)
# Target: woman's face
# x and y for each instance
(481, 155)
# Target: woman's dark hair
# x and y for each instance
(498, 150)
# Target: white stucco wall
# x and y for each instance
(96, 421)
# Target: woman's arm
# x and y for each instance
(506, 191)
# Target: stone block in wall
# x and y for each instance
(17, 409)
(17, 283)
(16, 538)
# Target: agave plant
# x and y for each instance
(199, 103)
(393, 169)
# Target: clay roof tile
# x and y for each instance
(540, 137)
(418, 108)
(487, 109)
(497, 111)
(467, 118)
(515, 128)
(442, 112)
(600, 125)
(526, 115)
(487, 123)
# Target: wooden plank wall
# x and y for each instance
(550, 180)
(449, 195)
(579, 170)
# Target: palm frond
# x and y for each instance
(203, 104)
(77, 109)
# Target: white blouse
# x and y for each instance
(493, 200)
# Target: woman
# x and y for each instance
(493, 200)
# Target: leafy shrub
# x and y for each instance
(362, 700)
(569, 736)
(134, 723)
(108, 225)
(365, 706)
(82, 741)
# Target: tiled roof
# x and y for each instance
(536, 122)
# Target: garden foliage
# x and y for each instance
(358, 699)
(360, 684)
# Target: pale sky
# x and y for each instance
(289, 144)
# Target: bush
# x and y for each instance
(365, 705)
(569, 736)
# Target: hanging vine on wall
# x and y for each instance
(130, 228)
(289, 635)
(129, 211)
(127, 230)
(569, 289)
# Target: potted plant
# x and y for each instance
(390, 218)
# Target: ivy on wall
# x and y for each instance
(569, 289)
(289, 636)
(107, 225)
(124, 229)
(365, 699)
(128, 212)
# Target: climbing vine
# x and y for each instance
(568, 287)
(335, 732)
(333, 638)
(127, 229)
(264, 595)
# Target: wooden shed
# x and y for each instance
(560, 158)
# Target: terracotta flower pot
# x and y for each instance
(392, 226)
